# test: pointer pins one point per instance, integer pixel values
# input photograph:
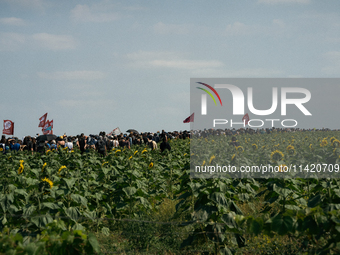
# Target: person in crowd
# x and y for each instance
(101, 146)
(3, 143)
(165, 145)
(15, 145)
(69, 144)
(82, 143)
(53, 145)
(60, 142)
(152, 144)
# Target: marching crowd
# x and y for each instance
(103, 143)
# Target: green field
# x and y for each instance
(140, 201)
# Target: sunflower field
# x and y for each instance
(139, 201)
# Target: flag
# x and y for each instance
(47, 129)
(8, 127)
(116, 131)
(189, 119)
(46, 125)
(245, 119)
(42, 120)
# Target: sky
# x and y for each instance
(97, 65)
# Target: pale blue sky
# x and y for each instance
(98, 65)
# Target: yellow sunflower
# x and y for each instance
(135, 153)
(276, 155)
(323, 143)
(151, 165)
(211, 158)
(282, 168)
(254, 146)
(61, 168)
(130, 157)
(290, 149)
(239, 149)
(21, 167)
(203, 163)
(48, 181)
(335, 143)
(43, 167)
(233, 157)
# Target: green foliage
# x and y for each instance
(53, 240)
(135, 206)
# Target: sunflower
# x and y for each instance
(290, 149)
(63, 167)
(185, 154)
(203, 163)
(332, 139)
(335, 143)
(211, 158)
(117, 151)
(323, 142)
(255, 147)
(145, 150)
(276, 155)
(282, 167)
(1, 149)
(233, 157)
(135, 153)
(239, 148)
(310, 146)
(43, 167)
(48, 181)
(151, 165)
(21, 167)
(47, 151)
(105, 163)
(130, 157)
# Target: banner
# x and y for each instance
(8, 127)
(189, 119)
(246, 118)
(42, 120)
(116, 131)
(47, 129)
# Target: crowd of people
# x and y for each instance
(101, 143)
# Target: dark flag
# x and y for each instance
(189, 119)
(8, 127)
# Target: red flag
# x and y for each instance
(246, 118)
(189, 119)
(48, 127)
(8, 127)
(42, 120)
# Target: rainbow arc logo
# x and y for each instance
(204, 97)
